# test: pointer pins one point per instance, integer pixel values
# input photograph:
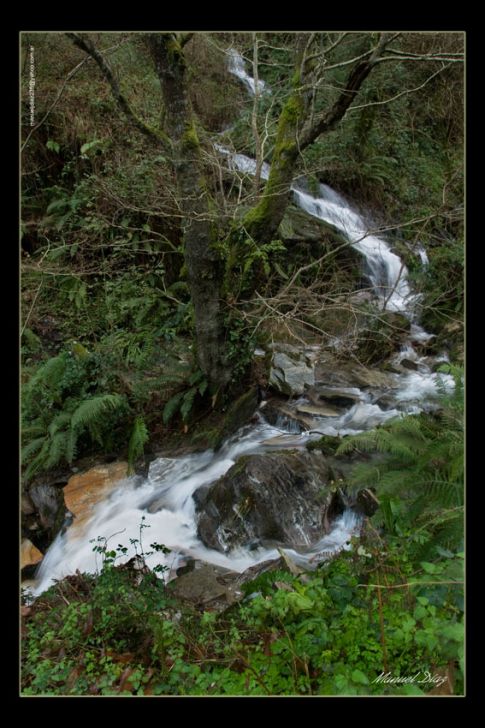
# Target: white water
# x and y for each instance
(237, 67)
(387, 273)
(169, 487)
(171, 482)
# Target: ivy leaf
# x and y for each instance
(359, 677)
(53, 146)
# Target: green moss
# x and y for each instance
(326, 444)
(190, 140)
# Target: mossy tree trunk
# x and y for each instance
(294, 134)
(203, 261)
(205, 268)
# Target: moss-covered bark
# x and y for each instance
(203, 262)
(262, 222)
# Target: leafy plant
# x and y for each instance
(59, 410)
(184, 401)
(139, 438)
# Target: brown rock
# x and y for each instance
(84, 491)
(29, 554)
(318, 410)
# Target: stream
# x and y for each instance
(172, 482)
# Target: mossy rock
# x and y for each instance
(326, 444)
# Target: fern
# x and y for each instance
(57, 449)
(31, 448)
(138, 439)
(187, 403)
(420, 479)
(59, 422)
(171, 407)
(91, 410)
(71, 446)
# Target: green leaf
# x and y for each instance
(139, 437)
(92, 409)
(359, 677)
(430, 568)
(187, 403)
(171, 407)
(90, 145)
(53, 146)
(299, 602)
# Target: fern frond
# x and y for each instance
(39, 461)
(187, 403)
(35, 428)
(377, 441)
(49, 373)
(57, 449)
(138, 439)
(91, 410)
(59, 422)
(171, 407)
(32, 447)
(71, 445)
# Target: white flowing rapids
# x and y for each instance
(165, 499)
(236, 66)
(170, 485)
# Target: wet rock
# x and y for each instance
(50, 510)
(206, 586)
(291, 376)
(278, 413)
(215, 588)
(283, 441)
(298, 225)
(29, 554)
(409, 364)
(366, 502)
(319, 410)
(281, 497)
(339, 396)
(27, 508)
(362, 297)
(332, 372)
(84, 491)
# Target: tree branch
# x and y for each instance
(86, 45)
(329, 120)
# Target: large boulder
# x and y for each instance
(332, 373)
(274, 498)
(84, 491)
(291, 373)
(50, 511)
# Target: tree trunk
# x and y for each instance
(203, 261)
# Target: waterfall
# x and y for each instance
(236, 66)
(165, 498)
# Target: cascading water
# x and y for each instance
(387, 273)
(168, 491)
(237, 67)
(165, 499)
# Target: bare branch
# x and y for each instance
(88, 47)
(402, 93)
(328, 121)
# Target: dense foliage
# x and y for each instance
(393, 604)
(110, 363)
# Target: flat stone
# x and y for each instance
(283, 440)
(205, 585)
(318, 410)
(84, 491)
(29, 554)
(409, 364)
